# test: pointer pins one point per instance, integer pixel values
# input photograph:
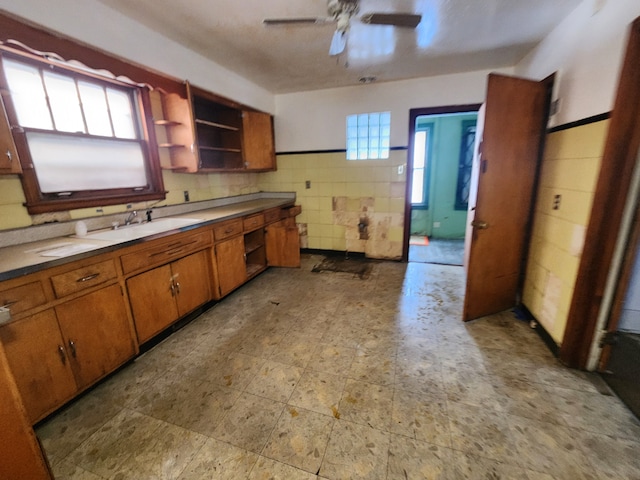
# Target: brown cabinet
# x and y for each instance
(39, 362)
(96, 334)
(9, 161)
(230, 264)
(161, 296)
(283, 244)
(207, 133)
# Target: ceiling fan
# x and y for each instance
(341, 12)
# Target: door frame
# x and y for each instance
(414, 113)
(610, 198)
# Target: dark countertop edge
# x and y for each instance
(38, 267)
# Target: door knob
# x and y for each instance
(479, 225)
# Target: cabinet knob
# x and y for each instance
(72, 346)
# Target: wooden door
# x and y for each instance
(514, 124)
(231, 266)
(191, 280)
(22, 456)
(283, 245)
(152, 301)
(40, 363)
(258, 148)
(9, 162)
(97, 333)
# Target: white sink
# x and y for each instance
(131, 232)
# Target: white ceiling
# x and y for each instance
(453, 36)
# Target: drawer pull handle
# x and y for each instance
(9, 156)
(88, 278)
(173, 289)
(72, 346)
(229, 230)
(8, 303)
(177, 287)
(63, 357)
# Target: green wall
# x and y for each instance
(442, 178)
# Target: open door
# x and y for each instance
(516, 110)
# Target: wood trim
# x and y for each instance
(414, 113)
(42, 39)
(580, 123)
(612, 188)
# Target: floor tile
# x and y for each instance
(373, 367)
(367, 404)
(249, 422)
(420, 416)
(267, 469)
(67, 471)
(275, 381)
(300, 439)
(219, 460)
(319, 392)
(335, 359)
(355, 452)
(409, 459)
(466, 466)
(612, 457)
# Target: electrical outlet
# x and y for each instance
(400, 169)
(556, 202)
(307, 184)
(186, 195)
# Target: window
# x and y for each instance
(467, 144)
(368, 136)
(81, 138)
(420, 179)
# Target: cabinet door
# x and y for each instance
(283, 245)
(40, 363)
(191, 280)
(151, 295)
(9, 162)
(258, 147)
(97, 333)
(232, 269)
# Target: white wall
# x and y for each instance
(587, 49)
(96, 24)
(315, 120)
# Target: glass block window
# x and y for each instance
(368, 136)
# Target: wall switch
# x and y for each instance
(186, 195)
(307, 184)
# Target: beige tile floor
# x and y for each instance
(302, 375)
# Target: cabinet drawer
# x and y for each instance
(82, 278)
(293, 211)
(24, 297)
(252, 222)
(272, 215)
(227, 229)
(165, 251)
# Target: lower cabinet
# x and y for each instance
(60, 351)
(161, 296)
(231, 265)
(283, 244)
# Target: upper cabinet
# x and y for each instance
(9, 162)
(207, 134)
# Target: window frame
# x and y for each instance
(38, 202)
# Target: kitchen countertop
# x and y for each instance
(22, 259)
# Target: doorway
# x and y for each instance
(438, 182)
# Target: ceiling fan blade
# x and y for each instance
(407, 20)
(338, 43)
(297, 21)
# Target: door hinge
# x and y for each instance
(608, 338)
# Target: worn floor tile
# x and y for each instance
(409, 458)
(294, 349)
(373, 367)
(104, 452)
(267, 469)
(219, 460)
(300, 438)
(67, 471)
(367, 404)
(355, 452)
(420, 416)
(480, 431)
(319, 392)
(249, 422)
(465, 466)
(275, 381)
(333, 359)
(612, 457)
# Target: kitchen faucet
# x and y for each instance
(130, 217)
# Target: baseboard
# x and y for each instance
(332, 253)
